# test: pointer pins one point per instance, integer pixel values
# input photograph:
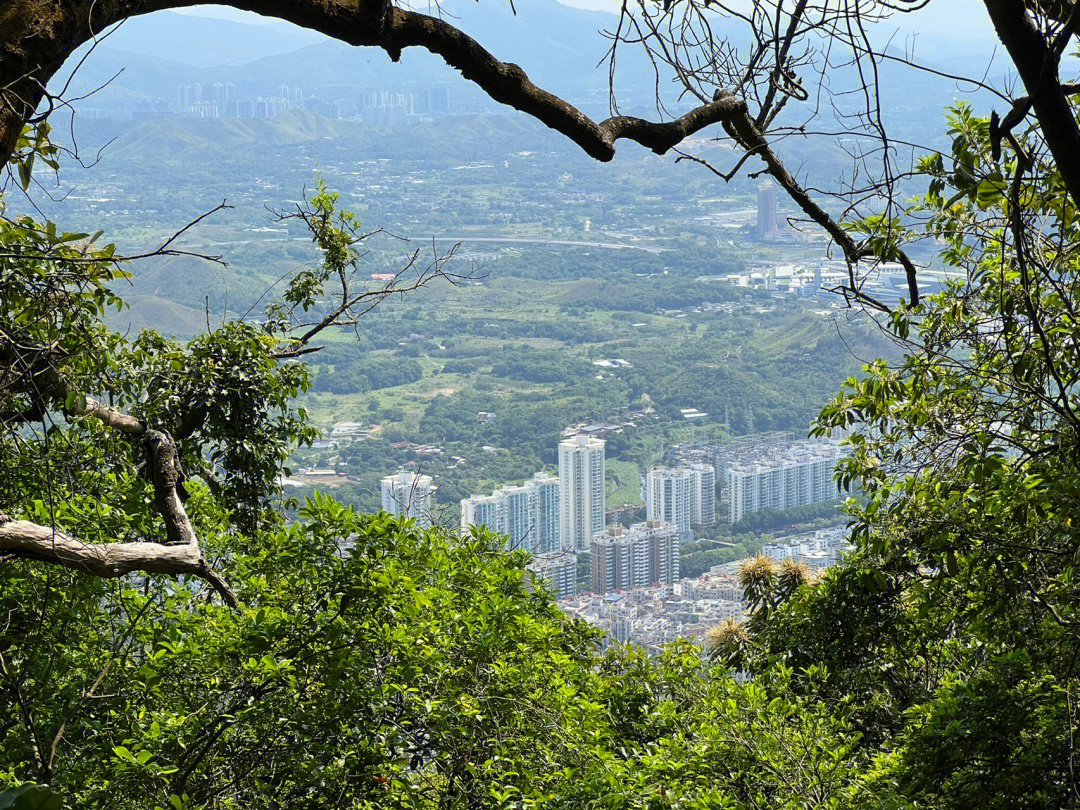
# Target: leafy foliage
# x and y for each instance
(374, 664)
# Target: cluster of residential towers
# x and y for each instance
(557, 517)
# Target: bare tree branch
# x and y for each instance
(26, 540)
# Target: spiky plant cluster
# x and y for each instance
(757, 577)
(792, 575)
(727, 642)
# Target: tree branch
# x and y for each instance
(179, 555)
(367, 22)
(26, 540)
(744, 132)
(1037, 64)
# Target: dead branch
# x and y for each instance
(26, 540)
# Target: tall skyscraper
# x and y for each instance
(703, 495)
(766, 209)
(581, 491)
(528, 514)
(669, 497)
(410, 494)
(642, 555)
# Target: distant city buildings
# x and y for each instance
(528, 514)
(784, 478)
(483, 510)
(431, 101)
(206, 100)
(657, 615)
(766, 210)
(668, 498)
(642, 555)
(653, 615)
(293, 96)
(702, 495)
(684, 496)
(383, 109)
(345, 433)
(745, 449)
(557, 570)
(885, 281)
(581, 490)
(635, 591)
(379, 108)
(409, 494)
(818, 550)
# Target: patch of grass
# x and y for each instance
(624, 483)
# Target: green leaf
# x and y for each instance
(30, 797)
(25, 171)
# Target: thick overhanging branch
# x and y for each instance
(162, 462)
(180, 554)
(26, 68)
(26, 540)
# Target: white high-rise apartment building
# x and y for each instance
(669, 496)
(528, 514)
(643, 555)
(558, 569)
(783, 479)
(581, 491)
(409, 494)
(483, 510)
(545, 526)
(703, 495)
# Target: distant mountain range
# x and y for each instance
(150, 58)
(205, 42)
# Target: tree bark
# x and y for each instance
(36, 36)
(180, 554)
(23, 539)
(1037, 64)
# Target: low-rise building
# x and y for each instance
(818, 550)
(653, 616)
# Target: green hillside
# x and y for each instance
(152, 312)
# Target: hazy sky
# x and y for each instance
(965, 19)
(959, 18)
